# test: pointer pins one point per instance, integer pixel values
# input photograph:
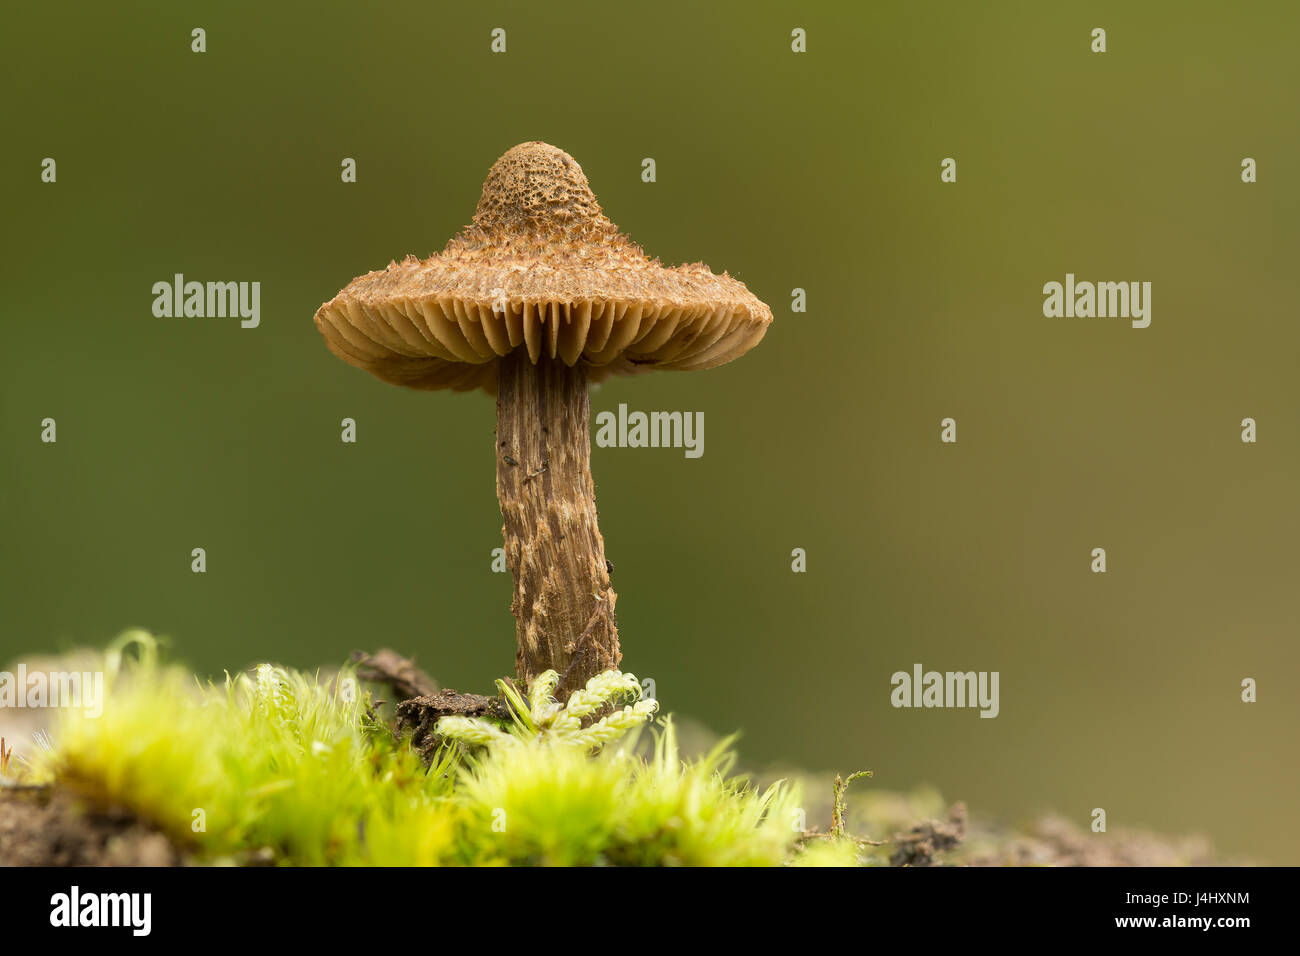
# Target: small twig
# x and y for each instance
(807, 836)
(391, 668)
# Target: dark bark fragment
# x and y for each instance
(420, 716)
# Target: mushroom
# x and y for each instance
(538, 296)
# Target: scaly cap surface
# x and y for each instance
(542, 268)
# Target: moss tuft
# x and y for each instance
(280, 765)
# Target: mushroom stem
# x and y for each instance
(563, 603)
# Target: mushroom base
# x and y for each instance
(563, 603)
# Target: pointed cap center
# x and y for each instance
(536, 185)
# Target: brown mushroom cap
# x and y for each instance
(573, 288)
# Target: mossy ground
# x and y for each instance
(276, 766)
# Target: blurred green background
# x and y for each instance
(818, 171)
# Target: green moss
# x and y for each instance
(283, 761)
